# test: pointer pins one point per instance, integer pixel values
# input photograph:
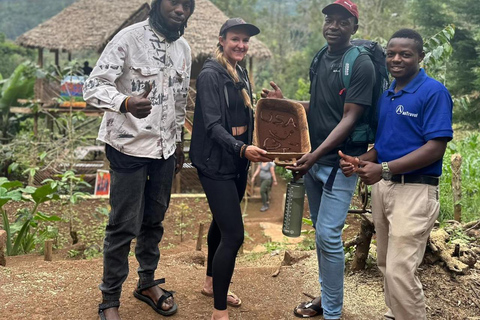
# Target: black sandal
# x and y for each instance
(158, 305)
(107, 305)
(308, 305)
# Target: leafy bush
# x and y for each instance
(24, 233)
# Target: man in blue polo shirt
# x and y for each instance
(415, 124)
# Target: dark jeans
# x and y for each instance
(226, 232)
(138, 203)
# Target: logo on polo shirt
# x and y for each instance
(400, 110)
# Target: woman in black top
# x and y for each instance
(221, 152)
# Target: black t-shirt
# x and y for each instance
(237, 109)
(327, 100)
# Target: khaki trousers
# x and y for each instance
(404, 215)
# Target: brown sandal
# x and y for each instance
(229, 294)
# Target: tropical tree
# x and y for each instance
(19, 85)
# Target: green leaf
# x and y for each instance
(12, 184)
(43, 217)
(6, 227)
(6, 196)
(437, 53)
(13, 167)
(20, 237)
(43, 193)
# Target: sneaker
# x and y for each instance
(264, 208)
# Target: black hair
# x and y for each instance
(157, 22)
(410, 34)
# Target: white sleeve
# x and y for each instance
(100, 89)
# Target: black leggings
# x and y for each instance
(226, 233)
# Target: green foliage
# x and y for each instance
(73, 253)
(303, 91)
(461, 74)
(12, 55)
(308, 242)
(19, 85)
(22, 234)
(459, 236)
(19, 16)
(438, 50)
(68, 184)
(183, 219)
(272, 246)
(238, 8)
(469, 149)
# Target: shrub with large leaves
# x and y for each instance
(21, 234)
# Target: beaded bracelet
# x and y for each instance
(126, 103)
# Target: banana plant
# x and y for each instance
(18, 86)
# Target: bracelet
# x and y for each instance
(242, 150)
(126, 103)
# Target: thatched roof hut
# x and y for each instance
(90, 24)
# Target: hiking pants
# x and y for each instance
(328, 211)
(138, 203)
(265, 187)
(404, 215)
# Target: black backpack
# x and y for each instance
(366, 128)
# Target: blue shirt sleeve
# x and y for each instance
(437, 117)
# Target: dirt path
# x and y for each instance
(31, 288)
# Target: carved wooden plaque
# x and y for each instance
(281, 128)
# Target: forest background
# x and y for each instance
(292, 29)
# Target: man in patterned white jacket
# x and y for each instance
(141, 80)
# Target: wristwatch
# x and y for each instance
(386, 173)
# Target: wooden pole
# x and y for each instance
(200, 237)
(57, 58)
(35, 124)
(457, 186)
(48, 249)
(363, 244)
(40, 57)
(3, 240)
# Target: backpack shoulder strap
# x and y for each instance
(316, 59)
(348, 61)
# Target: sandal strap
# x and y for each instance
(108, 305)
(314, 307)
(151, 284)
(165, 296)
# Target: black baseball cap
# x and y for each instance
(239, 22)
